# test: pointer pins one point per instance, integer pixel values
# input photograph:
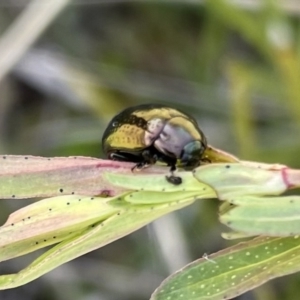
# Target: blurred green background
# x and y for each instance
(233, 65)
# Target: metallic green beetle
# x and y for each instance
(148, 133)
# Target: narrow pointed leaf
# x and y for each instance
(239, 179)
(273, 216)
(233, 271)
(31, 176)
(128, 219)
(50, 221)
(156, 183)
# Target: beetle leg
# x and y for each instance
(140, 166)
(148, 159)
(118, 156)
(176, 180)
(125, 156)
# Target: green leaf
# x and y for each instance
(30, 176)
(233, 271)
(80, 224)
(128, 219)
(50, 221)
(158, 183)
(229, 180)
(273, 216)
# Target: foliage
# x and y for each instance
(233, 65)
(78, 224)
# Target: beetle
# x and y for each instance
(148, 133)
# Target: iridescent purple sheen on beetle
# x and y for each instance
(148, 133)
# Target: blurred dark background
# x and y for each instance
(233, 65)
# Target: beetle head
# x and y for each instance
(191, 154)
